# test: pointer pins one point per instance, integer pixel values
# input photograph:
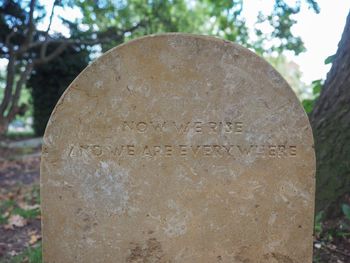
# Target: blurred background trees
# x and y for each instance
(27, 40)
(47, 83)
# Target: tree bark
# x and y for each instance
(330, 120)
(4, 123)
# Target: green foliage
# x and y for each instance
(104, 24)
(318, 223)
(48, 82)
(27, 214)
(19, 135)
(222, 18)
(214, 17)
(10, 207)
(30, 255)
(281, 22)
(134, 18)
(346, 211)
(5, 206)
(25, 100)
(329, 60)
(34, 196)
(14, 15)
(332, 229)
(309, 104)
(316, 85)
(11, 13)
(3, 219)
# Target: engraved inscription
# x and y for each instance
(196, 151)
(210, 127)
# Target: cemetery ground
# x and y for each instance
(20, 230)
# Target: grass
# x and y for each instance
(27, 214)
(20, 135)
(10, 207)
(30, 255)
(5, 206)
(22, 200)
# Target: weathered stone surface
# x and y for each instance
(178, 148)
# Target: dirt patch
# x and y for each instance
(18, 172)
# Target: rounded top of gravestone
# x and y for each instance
(178, 148)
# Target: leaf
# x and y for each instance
(308, 105)
(316, 82)
(15, 221)
(317, 90)
(27, 207)
(329, 60)
(317, 87)
(346, 210)
(318, 223)
(319, 217)
(34, 238)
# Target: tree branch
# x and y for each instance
(51, 18)
(45, 44)
(54, 54)
(31, 28)
(89, 42)
(9, 36)
(31, 25)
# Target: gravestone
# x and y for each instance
(178, 148)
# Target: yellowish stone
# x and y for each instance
(178, 148)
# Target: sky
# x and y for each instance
(320, 33)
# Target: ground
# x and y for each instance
(20, 231)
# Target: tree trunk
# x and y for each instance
(330, 120)
(4, 123)
(9, 107)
